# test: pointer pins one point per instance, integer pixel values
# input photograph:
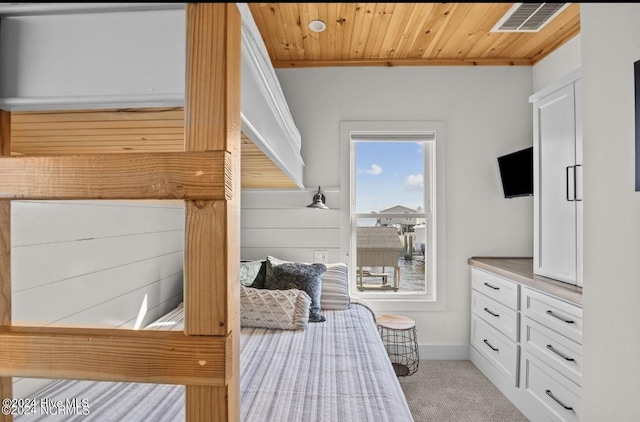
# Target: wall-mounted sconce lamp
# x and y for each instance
(319, 201)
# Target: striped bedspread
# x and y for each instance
(333, 371)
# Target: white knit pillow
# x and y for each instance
(279, 309)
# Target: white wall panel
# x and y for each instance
(124, 310)
(39, 306)
(50, 263)
(94, 263)
(278, 223)
(294, 238)
(611, 332)
(38, 222)
(289, 254)
(288, 218)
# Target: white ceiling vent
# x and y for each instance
(528, 17)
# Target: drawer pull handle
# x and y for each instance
(550, 347)
(489, 344)
(558, 401)
(568, 321)
(492, 287)
(495, 315)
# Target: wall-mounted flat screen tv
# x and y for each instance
(516, 172)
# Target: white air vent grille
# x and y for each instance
(528, 17)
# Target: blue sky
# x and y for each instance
(389, 174)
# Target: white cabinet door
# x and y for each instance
(578, 99)
(555, 188)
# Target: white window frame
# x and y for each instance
(434, 298)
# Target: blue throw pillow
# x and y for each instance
(282, 275)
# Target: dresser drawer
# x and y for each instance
(496, 314)
(555, 394)
(499, 350)
(560, 353)
(497, 288)
(556, 314)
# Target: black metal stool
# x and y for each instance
(399, 337)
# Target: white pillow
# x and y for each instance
(335, 287)
(279, 309)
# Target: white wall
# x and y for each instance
(608, 47)
(611, 338)
(278, 223)
(487, 114)
(109, 264)
(561, 62)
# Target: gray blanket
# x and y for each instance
(333, 371)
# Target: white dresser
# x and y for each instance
(526, 337)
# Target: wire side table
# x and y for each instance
(399, 337)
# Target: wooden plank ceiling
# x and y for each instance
(369, 34)
(390, 34)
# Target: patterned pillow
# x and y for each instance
(279, 309)
(252, 273)
(282, 275)
(335, 287)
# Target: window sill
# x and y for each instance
(404, 303)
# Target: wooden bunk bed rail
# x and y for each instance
(186, 175)
(121, 131)
(6, 383)
(206, 174)
(114, 355)
(212, 231)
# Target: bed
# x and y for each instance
(89, 78)
(158, 130)
(337, 370)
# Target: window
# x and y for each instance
(391, 188)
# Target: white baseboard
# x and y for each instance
(444, 351)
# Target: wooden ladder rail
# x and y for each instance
(207, 177)
(212, 251)
(6, 383)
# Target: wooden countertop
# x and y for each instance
(521, 271)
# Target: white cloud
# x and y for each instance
(414, 181)
(374, 170)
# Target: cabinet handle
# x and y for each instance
(575, 182)
(550, 347)
(495, 315)
(568, 321)
(557, 401)
(489, 344)
(567, 183)
(493, 287)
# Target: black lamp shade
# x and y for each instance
(318, 201)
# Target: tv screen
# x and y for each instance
(516, 172)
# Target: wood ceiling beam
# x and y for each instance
(469, 61)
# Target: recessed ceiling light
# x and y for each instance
(317, 26)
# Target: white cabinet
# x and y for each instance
(557, 183)
(528, 342)
(495, 326)
(495, 323)
(551, 340)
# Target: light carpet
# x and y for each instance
(455, 390)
